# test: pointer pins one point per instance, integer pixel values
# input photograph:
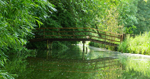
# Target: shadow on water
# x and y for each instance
(72, 63)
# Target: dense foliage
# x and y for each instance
(17, 19)
(139, 44)
(113, 16)
(143, 15)
(108, 15)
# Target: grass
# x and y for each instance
(139, 45)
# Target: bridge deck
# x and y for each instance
(73, 39)
(77, 34)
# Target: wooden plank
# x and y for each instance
(107, 35)
(81, 28)
(66, 39)
(65, 35)
(81, 31)
(58, 39)
(65, 31)
(103, 42)
(80, 35)
(106, 39)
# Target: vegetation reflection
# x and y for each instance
(135, 66)
(70, 64)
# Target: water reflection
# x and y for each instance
(74, 64)
(135, 66)
(73, 69)
(17, 64)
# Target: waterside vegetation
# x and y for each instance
(140, 44)
(18, 18)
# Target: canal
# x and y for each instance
(72, 63)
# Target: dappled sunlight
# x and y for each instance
(53, 29)
(80, 45)
(145, 0)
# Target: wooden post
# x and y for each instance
(83, 46)
(49, 48)
(44, 33)
(124, 37)
(47, 45)
(121, 38)
(83, 56)
(51, 43)
(86, 50)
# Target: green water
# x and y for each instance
(72, 63)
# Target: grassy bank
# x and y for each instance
(139, 45)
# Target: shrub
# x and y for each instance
(139, 44)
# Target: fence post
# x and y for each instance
(121, 38)
(124, 37)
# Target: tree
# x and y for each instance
(143, 15)
(17, 19)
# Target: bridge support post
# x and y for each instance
(49, 48)
(83, 56)
(83, 46)
(124, 37)
(49, 45)
(86, 50)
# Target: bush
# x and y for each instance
(139, 44)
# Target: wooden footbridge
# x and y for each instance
(77, 34)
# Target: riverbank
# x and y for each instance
(140, 44)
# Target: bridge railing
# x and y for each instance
(75, 33)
